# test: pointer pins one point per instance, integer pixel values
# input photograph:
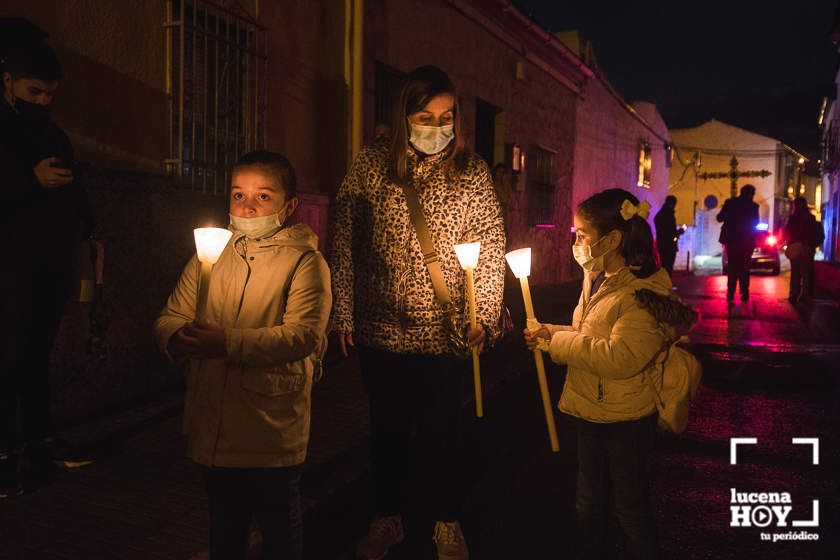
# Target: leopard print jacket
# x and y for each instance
(381, 287)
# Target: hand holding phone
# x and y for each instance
(53, 172)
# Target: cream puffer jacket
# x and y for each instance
(611, 340)
(252, 408)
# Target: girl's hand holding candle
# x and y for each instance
(199, 341)
(532, 338)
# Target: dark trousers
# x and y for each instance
(271, 496)
(738, 269)
(415, 406)
(614, 462)
(32, 310)
(667, 254)
(802, 274)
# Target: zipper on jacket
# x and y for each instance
(227, 371)
(600, 389)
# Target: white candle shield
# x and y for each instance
(209, 244)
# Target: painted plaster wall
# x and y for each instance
(607, 144)
(539, 110)
(718, 136)
(114, 82)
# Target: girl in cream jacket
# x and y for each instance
(610, 342)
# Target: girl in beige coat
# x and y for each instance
(251, 364)
(611, 340)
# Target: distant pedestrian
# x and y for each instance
(44, 217)
(803, 234)
(738, 236)
(607, 349)
(667, 233)
(382, 134)
(251, 364)
(390, 297)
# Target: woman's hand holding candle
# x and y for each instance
(476, 337)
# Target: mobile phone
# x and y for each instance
(64, 164)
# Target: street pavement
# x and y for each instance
(770, 372)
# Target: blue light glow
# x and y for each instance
(762, 226)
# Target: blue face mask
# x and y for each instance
(431, 139)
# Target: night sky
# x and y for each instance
(763, 65)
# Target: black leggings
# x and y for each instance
(415, 400)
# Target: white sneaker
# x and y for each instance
(384, 533)
(450, 541)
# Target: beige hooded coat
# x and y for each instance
(611, 340)
(252, 408)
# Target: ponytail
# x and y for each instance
(604, 212)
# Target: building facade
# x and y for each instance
(162, 96)
(701, 179)
(829, 185)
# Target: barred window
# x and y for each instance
(540, 187)
(216, 88)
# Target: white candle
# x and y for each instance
(468, 257)
(520, 264)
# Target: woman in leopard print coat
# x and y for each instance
(384, 298)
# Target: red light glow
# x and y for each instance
(771, 240)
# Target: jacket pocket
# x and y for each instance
(273, 384)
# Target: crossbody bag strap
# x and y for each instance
(430, 255)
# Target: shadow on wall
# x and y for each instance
(145, 222)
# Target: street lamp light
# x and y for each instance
(520, 264)
(468, 257)
(209, 244)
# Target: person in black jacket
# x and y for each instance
(740, 218)
(803, 235)
(667, 233)
(44, 216)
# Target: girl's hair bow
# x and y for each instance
(628, 209)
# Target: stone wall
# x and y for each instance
(145, 222)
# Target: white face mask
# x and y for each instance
(431, 139)
(583, 256)
(258, 227)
